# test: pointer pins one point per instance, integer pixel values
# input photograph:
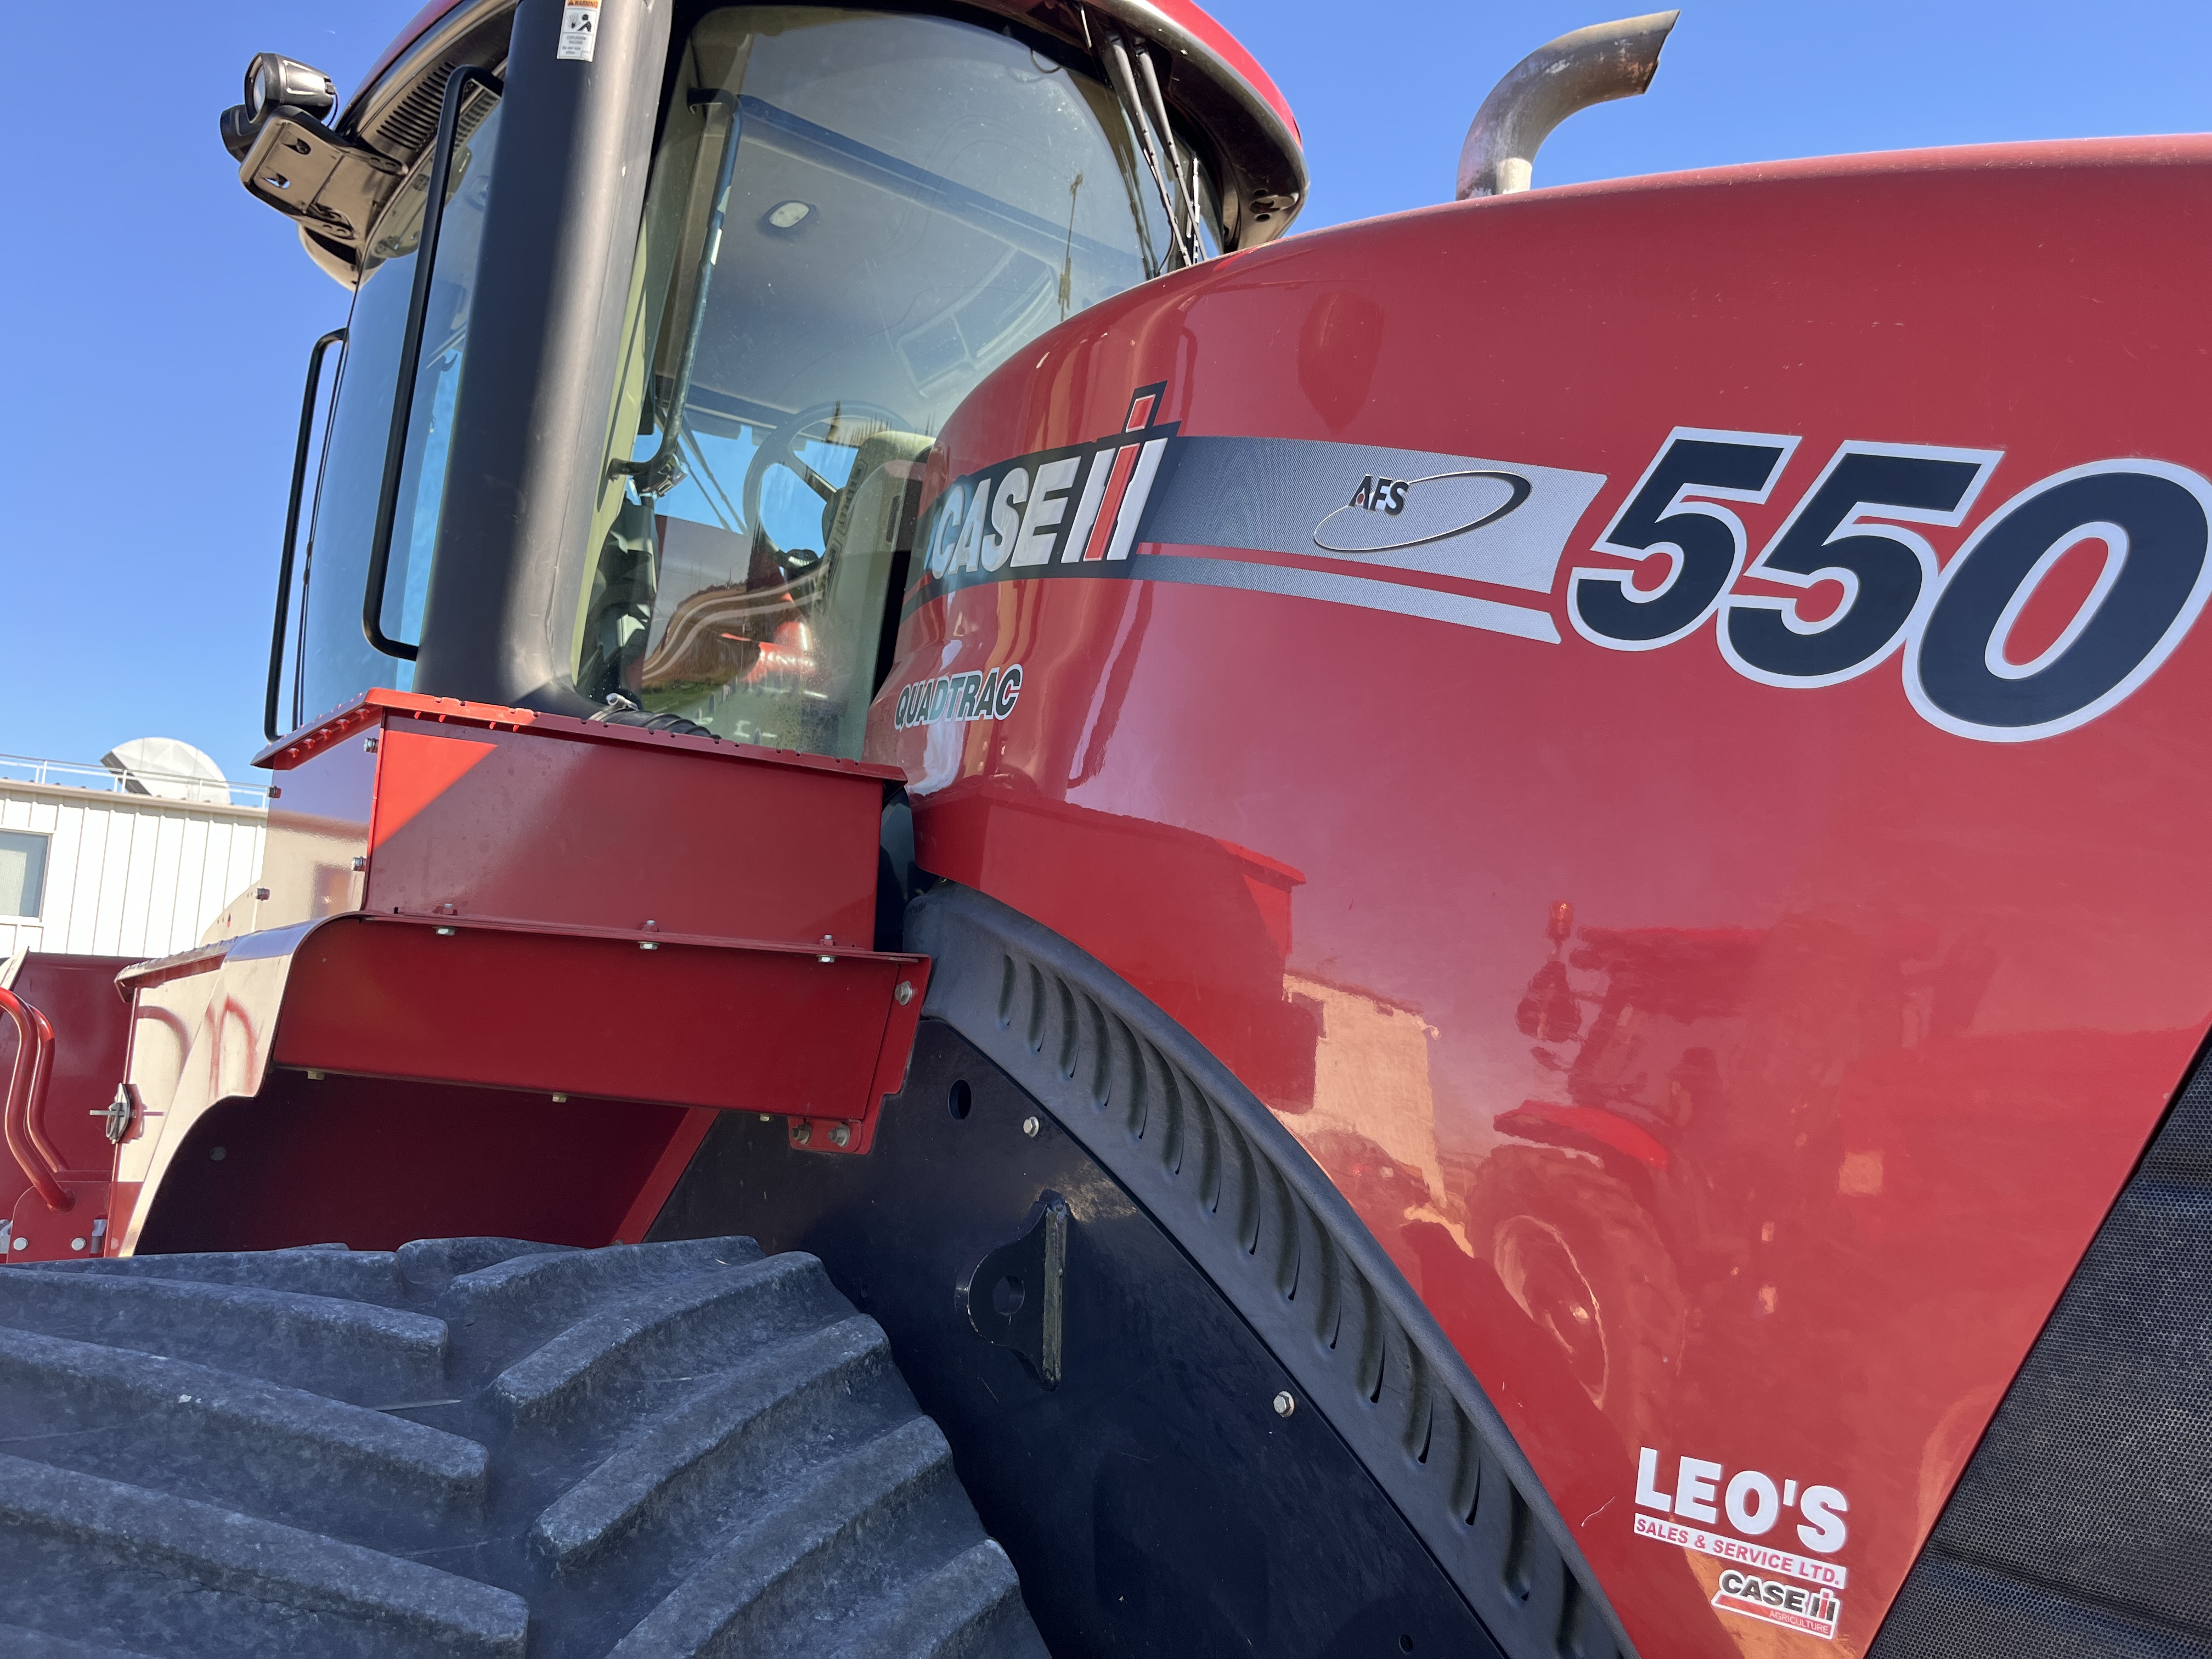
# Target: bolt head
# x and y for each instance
(445, 932)
(1285, 1403)
(77, 1244)
(840, 1135)
(801, 1133)
(1029, 1127)
(904, 995)
(648, 945)
(560, 1099)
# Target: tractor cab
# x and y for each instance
(654, 323)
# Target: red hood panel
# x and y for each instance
(1745, 1191)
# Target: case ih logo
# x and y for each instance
(1063, 507)
(1790, 1606)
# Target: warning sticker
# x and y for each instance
(580, 30)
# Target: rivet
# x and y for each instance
(361, 863)
(827, 938)
(904, 995)
(77, 1244)
(1029, 1127)
(219, 1154)
(1285, 1404)
(839, 1134)
(801, 1133)
(23, 1244)
(445, 932)
(651, 926)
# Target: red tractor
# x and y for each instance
(891, 1007)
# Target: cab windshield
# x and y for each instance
(903, 202)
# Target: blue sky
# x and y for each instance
(154, 322)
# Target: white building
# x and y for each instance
(133, 858)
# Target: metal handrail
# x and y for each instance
(336, 337)
(26, 1090)
(80, 774)
(458, 85)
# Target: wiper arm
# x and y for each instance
(662, 471)
(1181, 208)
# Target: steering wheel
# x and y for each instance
(781, 448)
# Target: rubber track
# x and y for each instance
(474, 1447)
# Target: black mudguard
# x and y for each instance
(1145, 1478)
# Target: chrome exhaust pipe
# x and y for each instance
(1590, 66)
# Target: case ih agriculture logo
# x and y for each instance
(1844, 586)
(1753, 1503)
(1790, 1606)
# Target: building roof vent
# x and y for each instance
(168, 769)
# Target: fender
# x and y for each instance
(1278, 1240)
(1289, 1282)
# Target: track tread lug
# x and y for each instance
(229, 1438)
(648, 1478)
(260, 1583)
(354, 1350)
(708, 1321)
(740, 1600)
(687, 1433)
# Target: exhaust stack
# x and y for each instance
(1590, 66)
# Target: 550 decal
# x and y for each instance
(1953, 624)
